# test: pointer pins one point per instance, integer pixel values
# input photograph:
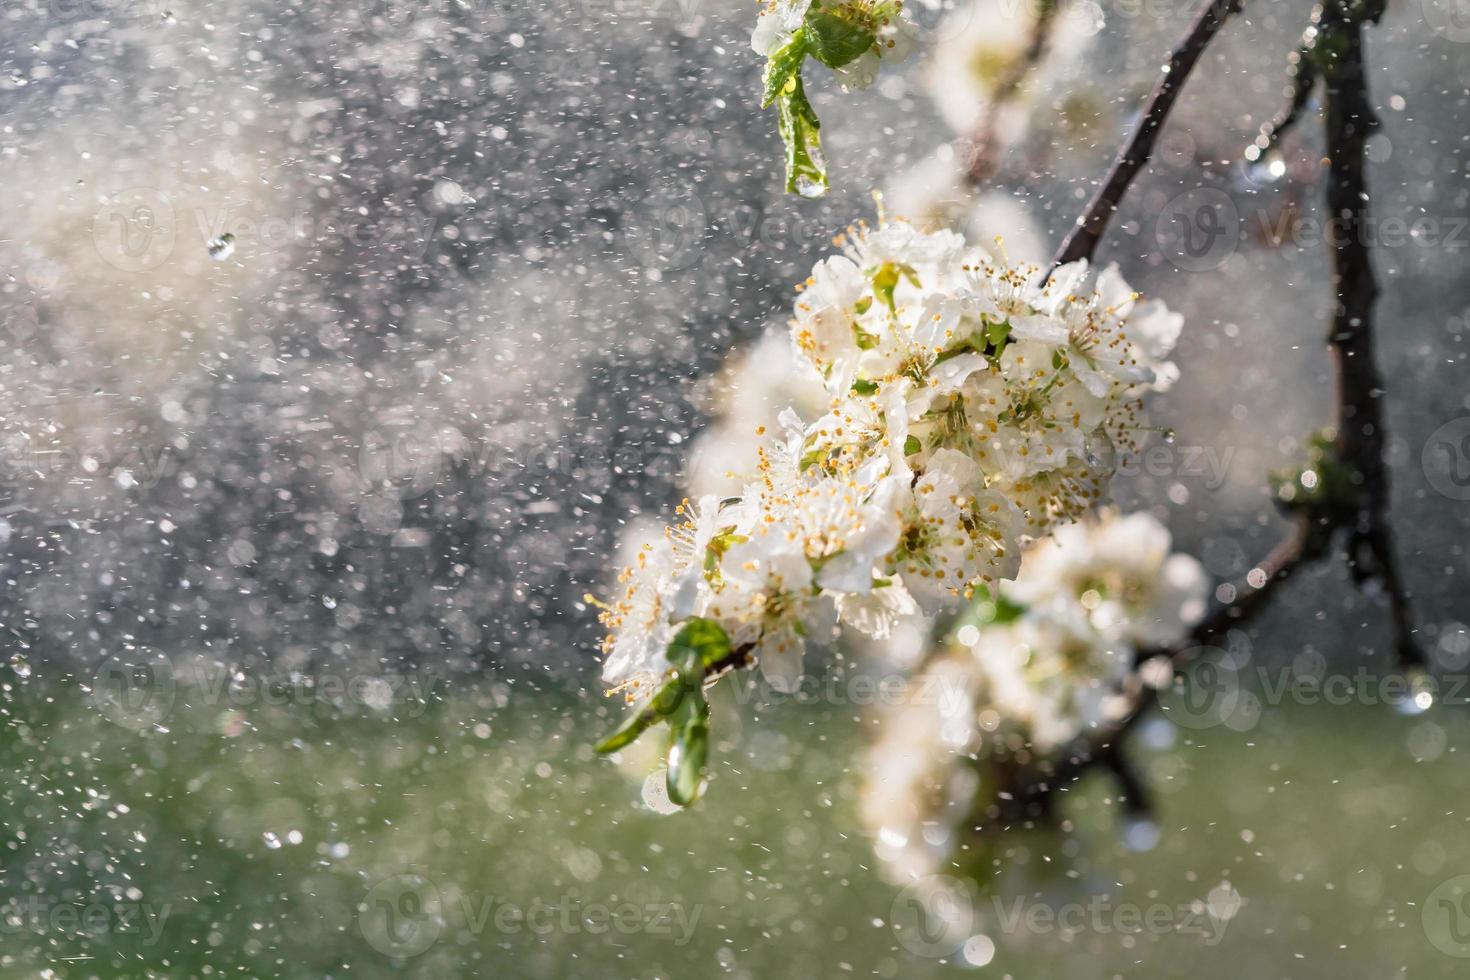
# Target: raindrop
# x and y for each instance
(222, 248)
(1140, 834)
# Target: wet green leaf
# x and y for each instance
(705, 638)
(689, 750)
(806, 170)
(836, 41)
(783, 68)
(665, 701)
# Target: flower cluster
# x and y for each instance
(1052, 658)
(749, 395)
(971, 406)
(851, 37)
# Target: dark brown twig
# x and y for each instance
(1082, 241)
(1360, 430)
(1302, 71)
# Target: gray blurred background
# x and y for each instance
(484, 255)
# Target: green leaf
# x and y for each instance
(989, 608)
(665, 701)
(806, 170)
(783, 67)
(1007, 611)
(719, 544)
(862, 386)
(911, 445)
(885, 281)
(836, 41)
(689, 750)
(998, 334)
(706, 639)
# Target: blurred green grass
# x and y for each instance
(258, 834)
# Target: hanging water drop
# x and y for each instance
(222, 248)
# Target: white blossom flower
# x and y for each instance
(1050, 659)
(778, 20)
(749, 397)
(767, 600)
(1047, 678)
(1121, 572)
(957, 427)
(956, 535)
(919, 786)
(638, 624)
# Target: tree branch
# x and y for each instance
(1360, 431)
(1303, 75)
(1082, 241)
(1361, 428)
(982, 158)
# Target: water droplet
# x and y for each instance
(809, 188)
(1140, 834)
(1268, 169)
(1420, 697)
(222, 248)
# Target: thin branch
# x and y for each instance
(1302, 72)
(1246, 599)
(1082, 241)
(1361, 428)
(984, 152)
(1360, 433)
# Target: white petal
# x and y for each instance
(780, 656)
